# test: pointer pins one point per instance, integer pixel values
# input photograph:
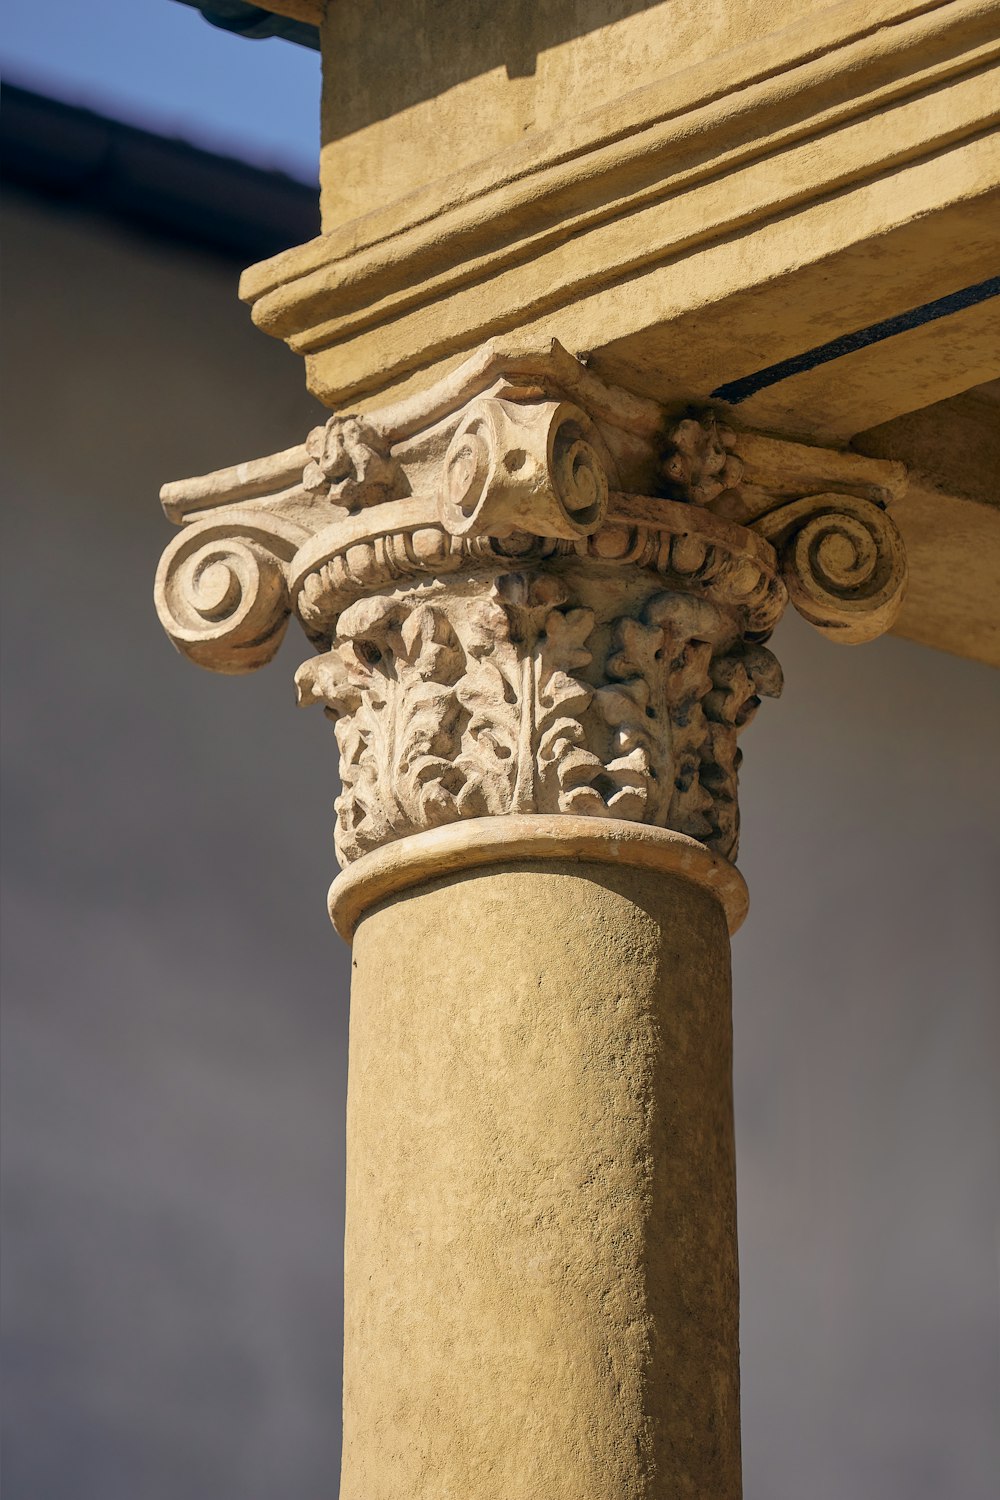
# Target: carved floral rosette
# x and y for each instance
(531, 593)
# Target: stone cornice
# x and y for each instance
(817, 95)
(532, 593)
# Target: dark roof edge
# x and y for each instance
(166, 187)
(244, 18)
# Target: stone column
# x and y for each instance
(541, 1231)
(539, 605)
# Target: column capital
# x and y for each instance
(532, 594)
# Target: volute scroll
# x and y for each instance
(221, 589)
(530, 467)
(843, 562)
(532, 594)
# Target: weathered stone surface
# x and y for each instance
(540, 589)
(689, 197)
(540, 605)
(950, 522)
(541, 1231)
(532, 593)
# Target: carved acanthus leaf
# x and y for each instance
(740, 678)
(389, 685)
(532, 592)
(658, 673)
(487, 703)
(523, 747)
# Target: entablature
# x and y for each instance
(809, 186)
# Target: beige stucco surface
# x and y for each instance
(423, 89)
(540, 1260)
(950, 520)
(688, 196)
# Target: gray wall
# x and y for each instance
(176, 1004)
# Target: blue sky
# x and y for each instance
(158, 64)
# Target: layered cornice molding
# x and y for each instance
(531, 593)
(854, 92)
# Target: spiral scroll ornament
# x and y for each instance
(221, 591)
(843, 562)
(578, 475)
(524, 468)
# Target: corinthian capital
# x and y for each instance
(531, 594)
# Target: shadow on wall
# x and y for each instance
(481, 35)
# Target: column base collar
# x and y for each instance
(476, 842)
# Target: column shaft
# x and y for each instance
(541, 1244)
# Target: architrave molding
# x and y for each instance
(713, 152)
